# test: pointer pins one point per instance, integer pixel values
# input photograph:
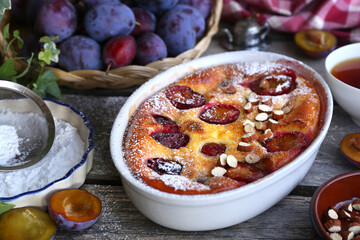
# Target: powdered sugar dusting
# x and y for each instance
(182, 183)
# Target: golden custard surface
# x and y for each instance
(221, 128)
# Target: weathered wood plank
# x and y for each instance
(289, 219)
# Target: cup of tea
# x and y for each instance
(343, 76)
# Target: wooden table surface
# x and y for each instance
(288, 219)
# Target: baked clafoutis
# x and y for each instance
(222, 127)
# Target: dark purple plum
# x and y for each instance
(150, 48)
(157, 7)
(80, 52)
(195, 16)
(84, 5)
(56, 18)
(177, 31)
(107, 20)
(119, 51)
(145, 22)
(203, 6)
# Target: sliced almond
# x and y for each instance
(231, 161)
(347, 235)
(332, 213)
(335, 236)
(261, 117)
(333, 225)
(248, 128)
(267, 134)
(252, 95)
(354, 227)
(347, 207)
(248, 107)
(249, 122)
(344, 214)
(260, 126)
(218, 171)
(249, 137)
(356, 204)
(265, 108)
(254, 101)
(223, 157)
(244, 147)
(278, 114)
(266, 100)
(273, 124)
(252, 158)
(287, 108)
(264, 84)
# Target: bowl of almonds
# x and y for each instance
(335, 207)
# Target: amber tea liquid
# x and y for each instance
(348, 72)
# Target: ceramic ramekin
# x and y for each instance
(76, 176)
(345, 95)
(215, 211)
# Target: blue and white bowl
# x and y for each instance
(76, 176)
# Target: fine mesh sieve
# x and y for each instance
(27, 127)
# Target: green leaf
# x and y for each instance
(16, 35)
(6, 31)
(51, 53)
(7, 70)
(47, 83)
(4, 207)
(4, 4)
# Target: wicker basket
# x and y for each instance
(133, 74)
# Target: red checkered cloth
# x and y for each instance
(341, 17)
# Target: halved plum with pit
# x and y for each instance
(285, 142)
(213, 149)
(350, 147)
(162, 166)
(74, 209)
(183, 97)
(173, 140)
(245, 172)
(275, 83)
(219, 114)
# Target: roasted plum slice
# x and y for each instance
(26, 223)
(315, 43)
(350, 147)
(162, 166)
(213, 149)
(219, 113)
(183, 97)
(275, 83)
(74, 209)
(167, 124)
(245, 172)
(173, 140)
(285, 142)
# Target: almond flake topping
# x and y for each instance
(264, 108)
(218, 171)
(232, 161)
(252, 158)
(261, 117)
(223, 157)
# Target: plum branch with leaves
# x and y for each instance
(35, 75)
